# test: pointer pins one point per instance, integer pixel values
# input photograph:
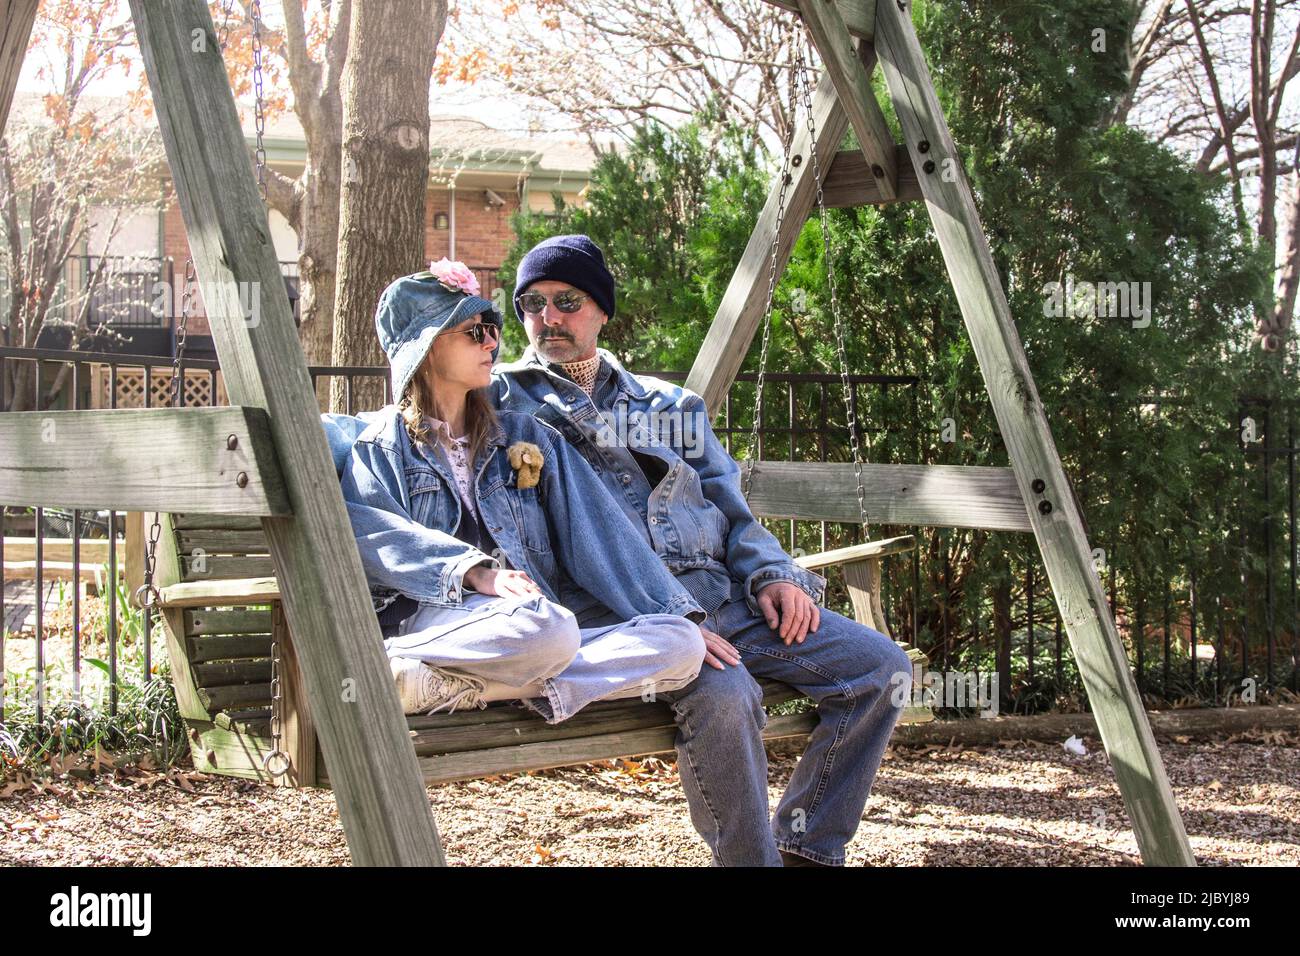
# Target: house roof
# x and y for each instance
(459, 142)
(456, 143)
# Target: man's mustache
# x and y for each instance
(547, 336)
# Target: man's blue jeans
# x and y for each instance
(852, 673)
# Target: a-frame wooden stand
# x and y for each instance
(851, 35)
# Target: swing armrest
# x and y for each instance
(858, 552)
(232, 592)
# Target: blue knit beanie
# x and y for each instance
(572, 259)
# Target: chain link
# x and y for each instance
(259, 112)
(225, 22)
(755, 441)
(805, 86)
(801, 91)
(276, 763)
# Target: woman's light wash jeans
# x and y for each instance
(520, 642)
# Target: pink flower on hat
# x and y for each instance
(455, 276)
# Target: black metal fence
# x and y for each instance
(1185, 642)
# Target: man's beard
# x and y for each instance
(560, 345)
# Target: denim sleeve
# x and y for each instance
(342, 432)
(396, 550)
(754, 556)
(604, 553)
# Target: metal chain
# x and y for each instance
(276, 763)
(148, 595)
(787, 161)
(259, 154)
(806, 89)
(225, 22)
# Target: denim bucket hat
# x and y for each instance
(412, 311)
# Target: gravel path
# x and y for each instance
(1017, 803)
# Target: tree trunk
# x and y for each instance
(320, 237)
(386, 174)
(1272, 335)
(16, 19)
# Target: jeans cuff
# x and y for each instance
(816, 857)
(549, 706)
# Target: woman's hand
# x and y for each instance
(718, 651)
(487, 580)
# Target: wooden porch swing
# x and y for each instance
(253, 534)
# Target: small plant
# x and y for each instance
(145, 720)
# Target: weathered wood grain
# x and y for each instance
(949, 496)
(141, 459)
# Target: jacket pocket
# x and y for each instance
(526, 504)
(702, 526)
(431, 500)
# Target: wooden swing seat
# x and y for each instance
(221, 607)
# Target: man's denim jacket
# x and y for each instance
(404, 508)
(696, 515)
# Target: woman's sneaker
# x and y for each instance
(425, 689)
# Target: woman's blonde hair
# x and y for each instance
(417, 401)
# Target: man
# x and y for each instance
(653, 448)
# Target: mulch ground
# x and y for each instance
(1016, 803)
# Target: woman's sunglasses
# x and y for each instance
(482, 331)
(567, 301)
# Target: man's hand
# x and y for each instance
(718, 649)
(487, 580)
(786, 606)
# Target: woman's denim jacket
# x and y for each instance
(405, 508)
(696, 515)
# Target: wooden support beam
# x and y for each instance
(16, 19)
(724, 348)
(849, 181)
(940, 496)
(381, 797)
(134, 459)
(299, 733)
(849, 68)
(859, 16)
(1052, 510)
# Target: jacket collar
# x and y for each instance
(389, 428)
(532, 360)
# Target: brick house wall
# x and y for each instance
(483, 236)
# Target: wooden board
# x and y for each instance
(138, 459)
(236, 620)
(849, 181)
(236, 591)
(945, 496)
(859, 16)
(858, 552)
(91, 550)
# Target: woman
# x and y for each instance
(471, 524)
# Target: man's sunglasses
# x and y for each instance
(481, 331)
(567, 301)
